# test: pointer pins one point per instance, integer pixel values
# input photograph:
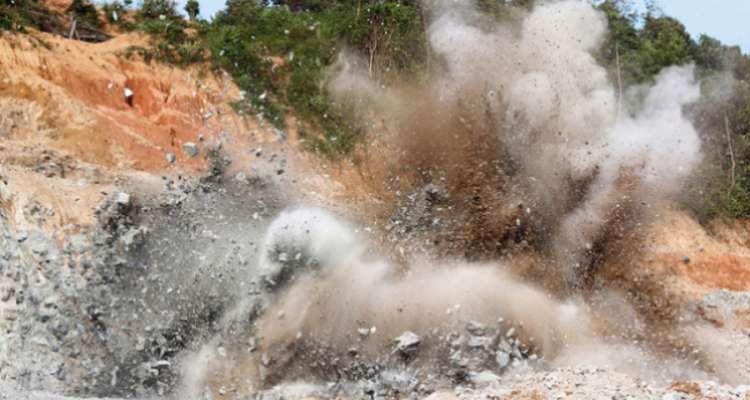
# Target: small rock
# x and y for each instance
(161, 364)
(675, 396)
(130, 237)
(504, 346)
(407, 343)
(170, 157)
(476, 328)
(476, 342)
(434, 192)
(128, 93)
(483, 379)
(191, 149)
(502, 359)
(363, 332)
(122, 199)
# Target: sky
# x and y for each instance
(726, 20)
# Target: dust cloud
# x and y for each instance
(528, 148)
(523, 109)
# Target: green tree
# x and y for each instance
(709, 53)
(154, 9)
(664, 42)
(192, 8)
(622, 43)
(85, 13)
(14, 14)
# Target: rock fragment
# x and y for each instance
(476, 328)
(191, 149)
(676, 396)
(502, 359)
(122, 199)
(128, 94)
(408, 343)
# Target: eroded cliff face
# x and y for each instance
(121, 253)
(69, 131)
(81, 161)
(71, 95)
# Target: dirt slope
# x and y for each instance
(71, 145)
(68, 133)
(70, 96)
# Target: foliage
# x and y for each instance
(664, 42)
(15, 15)
(722, 187)
(18, 15)
(174, 40)
(279, 54)
(116, 12)
(85, 13)
(661, 41)
(643, 45)
(192, 8)
(503, 10)
(158, 9)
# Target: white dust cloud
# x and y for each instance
(556, 112)
(560, 119)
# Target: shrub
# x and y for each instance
(303, 39)
(174, 40)
(85, 13)
(115, 13)
(158, 9)
(192, 8)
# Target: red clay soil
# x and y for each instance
(80, 88)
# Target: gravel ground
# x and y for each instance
(108, 312)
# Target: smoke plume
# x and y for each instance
(516, 143)
(523, 114)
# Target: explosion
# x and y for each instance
(491, 229)
(509, 173)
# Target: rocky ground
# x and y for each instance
(128, 230)
(113, 213)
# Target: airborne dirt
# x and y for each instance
(512, 232)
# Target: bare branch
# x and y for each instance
(731, 149)
(619, 80)
(72, 29)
